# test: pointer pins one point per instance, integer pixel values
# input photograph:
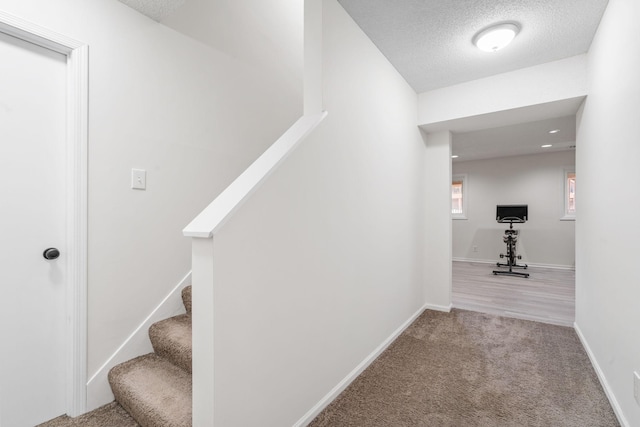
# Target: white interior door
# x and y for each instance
(32, 219)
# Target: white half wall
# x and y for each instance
(536, 180)
(607, 235)
(437, 258)
(324, 262)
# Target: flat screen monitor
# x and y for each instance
(512, 213)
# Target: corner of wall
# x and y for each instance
(342, 385)
(438, 234)
(602, 378)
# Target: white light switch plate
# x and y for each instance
(139, 179)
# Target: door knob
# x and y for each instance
(51, 253)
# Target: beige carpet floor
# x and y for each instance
(111, 415)
(471, 369)
(462, 369)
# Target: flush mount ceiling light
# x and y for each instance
(455, 156)
(554, 131)
(496, 37)
(546, 146)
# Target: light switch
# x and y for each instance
(139, 179)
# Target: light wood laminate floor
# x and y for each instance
(547, 295)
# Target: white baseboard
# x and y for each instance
(479, 261)
(489, 261)
(445, 308)
(603, 380)
(98, 388)
(342, 385)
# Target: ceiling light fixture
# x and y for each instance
(554, 131)
(455, 156)
(546, 146)
(496, 37)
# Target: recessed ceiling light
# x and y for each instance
(455, 156)
(554, 131)
(546, 146)
(496, 37)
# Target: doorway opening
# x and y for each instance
(516, 164)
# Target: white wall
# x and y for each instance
(607, 235)
(194, 117)
(265, 33)
(544, 83)
(324, 262)
(437, 259)
(536, 180)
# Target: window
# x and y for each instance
(569, 195)
(459, 197)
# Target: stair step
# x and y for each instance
(186, 298)
(154, 391)
(171, 339)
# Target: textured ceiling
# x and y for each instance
(154, 9)
(514, 140)
(429, 41)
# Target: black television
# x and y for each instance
(512, 213)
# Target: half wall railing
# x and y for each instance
(202, 230)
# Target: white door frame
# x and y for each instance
(77, 54)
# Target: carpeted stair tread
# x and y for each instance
(171, 339)
(186, 298)
(154, 391)
(110, 415)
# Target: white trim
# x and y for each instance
(488, 261)
(342, 385)
(603, 379)
(77, 214)
(465, 195)
(566, 216)
(435, 307)
(77, 54)
(25, 30)
(479, 261)
(138, 343)
(213, 217)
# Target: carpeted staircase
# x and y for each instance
(156, 388)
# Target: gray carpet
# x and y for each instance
(155, 389)
(461, 369)
(471, 369)
(111, 415)
(156, 392)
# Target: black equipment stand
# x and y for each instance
(510, 238)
